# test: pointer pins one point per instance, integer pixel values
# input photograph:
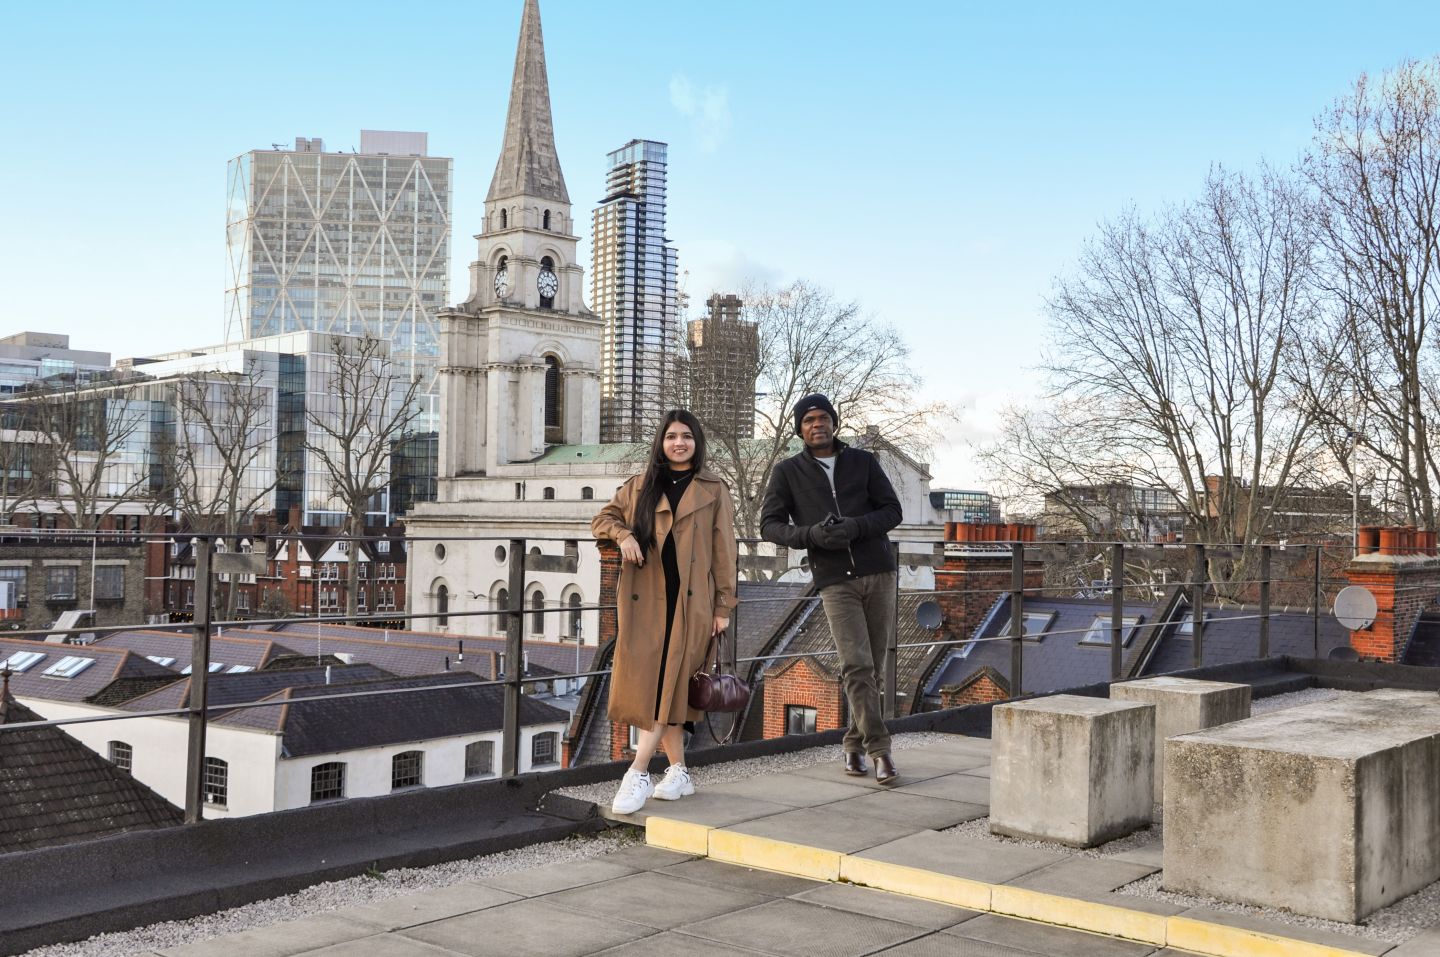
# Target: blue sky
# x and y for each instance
(940, 162)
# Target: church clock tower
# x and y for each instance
(520, 358)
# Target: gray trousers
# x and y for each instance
(862, 618)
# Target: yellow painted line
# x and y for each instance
(1222, 940)
(748, 850)
(1181, 933)
(683, 836)
(1081, 914)
(916, 882)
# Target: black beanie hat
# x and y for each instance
(816, 401)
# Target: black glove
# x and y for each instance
(814, 535)
(851, 527)
(832, 536)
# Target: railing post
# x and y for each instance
(1017, 619)
(1264, 601)
(1197, 606)
(1315, 606)
(892, 649)
(1117, 607)
(199, 678)
(514, 662)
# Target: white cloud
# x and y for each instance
(708, 110)
(713, 265)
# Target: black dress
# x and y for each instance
(673, 484)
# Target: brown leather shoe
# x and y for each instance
(885, 772)
(855, 764)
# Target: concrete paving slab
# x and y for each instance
(898, 907)
(975, 860)
(662, 901)
(915, 810)
(824, 828)
(1084, 876)
(558, 877)
(793, 928)
(955, 744)
(1045, 938)
(981, 772)
(385, 945)
(1426, 944)
(281, 940)
(952, 787)
(1185, 934)
(943, 945)
(703, 807)
(528, 928)
(914, 768)
(671, 944)
(1152, 853)
(646, 858)
(794, 790)
(424, 906)
(746, 878)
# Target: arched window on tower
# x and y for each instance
(504, 219)
(554, 402)
(547, 219)
(442, 606)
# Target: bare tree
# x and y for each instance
(811, 342)
(219, 460)
(87, 457)
(369, 408)
(1375, 166)
(1168, 362)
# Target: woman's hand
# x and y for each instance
(630, 551)
(721, 623)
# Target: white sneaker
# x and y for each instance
(635, 790)
(675, 785)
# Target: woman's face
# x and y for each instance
(678, 445)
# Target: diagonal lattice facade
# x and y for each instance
(348, 243)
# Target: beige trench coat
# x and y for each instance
(704, 530)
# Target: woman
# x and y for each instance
(675, 525)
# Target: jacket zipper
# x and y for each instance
(834, 497)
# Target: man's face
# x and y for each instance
(817, 429)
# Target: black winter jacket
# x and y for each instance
(798, 500)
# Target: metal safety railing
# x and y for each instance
(1018, 562)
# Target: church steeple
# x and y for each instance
(528, 164)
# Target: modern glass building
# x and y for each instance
(965, 505)
(350, 243)
(633, 290)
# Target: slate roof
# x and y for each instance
(1424, 645)
(109, 665)
(344, 724)
(1058, 660)
(246, 650)
(54, 790)
(223, 689)
(422, 652)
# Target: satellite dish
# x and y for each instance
(1355, 607)
(928, 615)
(1343, 653)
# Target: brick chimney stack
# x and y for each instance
(609, 591)
(1400, 567)
(977, 570)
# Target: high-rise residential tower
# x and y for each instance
(348, 243)
(633, 290)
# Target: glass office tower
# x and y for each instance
(349, 243)
(633, 289)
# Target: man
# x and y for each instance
(836, 502)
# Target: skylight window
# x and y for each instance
(68, 667)
(1186, 628)
(214, 667)
(161, 660)
(238, 669)
(1099, 633)
(22, 661)
(1036, 624)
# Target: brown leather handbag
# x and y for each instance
(717, 690)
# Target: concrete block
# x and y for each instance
(1071, 769)
(1329, 810)
(1183, 705)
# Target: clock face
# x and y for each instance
(502, 284)
(549, 285)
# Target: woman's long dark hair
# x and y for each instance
(652, 487)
